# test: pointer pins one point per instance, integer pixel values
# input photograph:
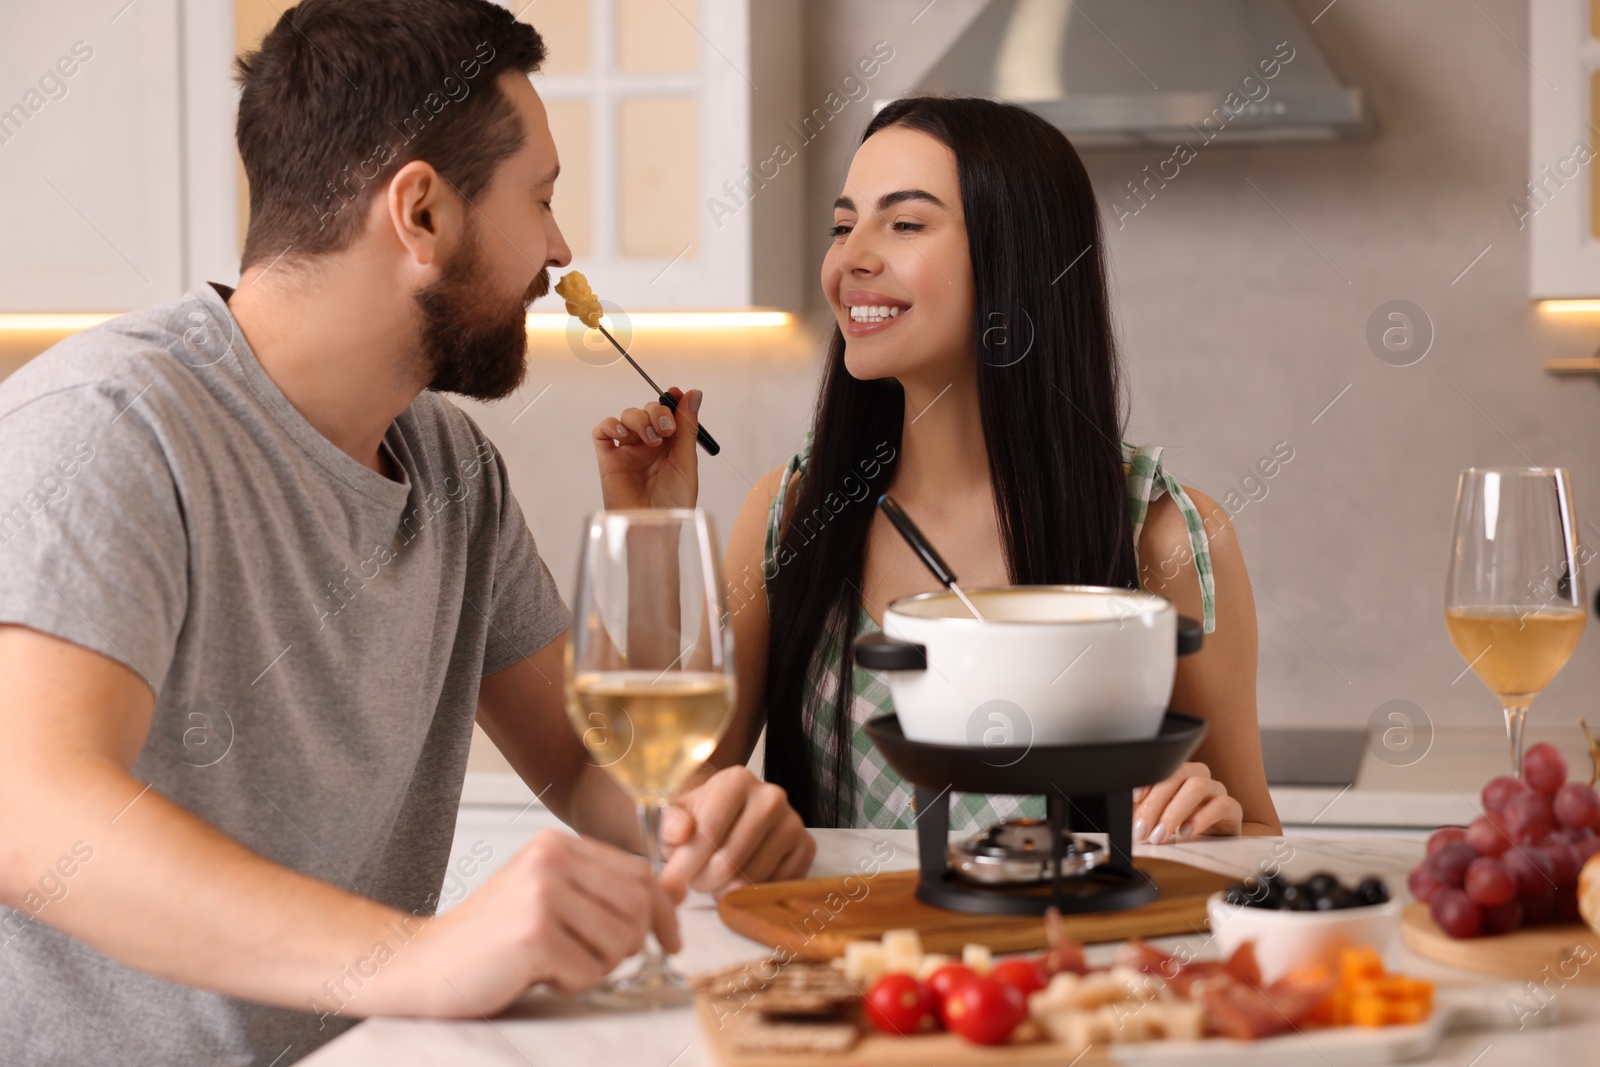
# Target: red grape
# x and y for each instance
(1586, 848)
(1503, 919)
(1444, 836)
(1450, 863)
(1563, 860)
(1544, 768)
(1487, 836)
(1567, 904)
(1531, 868)
(1455, 913)
(1499, 790)
(1528, 817)
(1577, 806)
(1488, 884)
(1539, 908)
(1422, 883)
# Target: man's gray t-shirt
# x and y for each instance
(314, 632)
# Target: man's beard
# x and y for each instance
(473, 343)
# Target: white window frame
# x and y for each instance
(718, 272)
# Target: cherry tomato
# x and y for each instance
(897, 1003)
(944, 981)
(1025, 974)
(984, 1011)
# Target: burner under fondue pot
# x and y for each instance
(1087, 788)
(1017, 852)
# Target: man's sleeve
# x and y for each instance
(526, 611)
(93, 547)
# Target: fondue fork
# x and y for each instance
(705, 439)
(925, 550)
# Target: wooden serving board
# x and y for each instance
(815, 918)
(1571, 951)
(1455, 1010)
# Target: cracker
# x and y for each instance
(796, 977)
(785, 1002)
(762, 1035)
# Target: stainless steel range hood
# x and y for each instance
(1111, 72)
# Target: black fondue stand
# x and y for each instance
(1088, 788)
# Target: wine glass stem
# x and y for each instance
(654, 961)
(1516, 715)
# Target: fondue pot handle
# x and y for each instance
(880, 652)
(1190, 635)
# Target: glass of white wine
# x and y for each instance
(1514, 601)
(649, 681)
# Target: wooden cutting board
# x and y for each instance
(816, 917)
(1571, 951)
(1455, 1011)
(883, 1050)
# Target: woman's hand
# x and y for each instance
(647, 455)
(1186, 805)
(731, 830)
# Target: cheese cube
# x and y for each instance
(1060, 994)
(1097, 988)
(1180, 1020)
(863, 961)
(1077, 1030)
(1127, 1020)
(1137, 983)
(902, 951)
(977, 957)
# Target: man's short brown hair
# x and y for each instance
(342, 93)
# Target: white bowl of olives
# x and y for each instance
(1300, 923)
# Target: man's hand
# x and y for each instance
(565, 911)
(731, 830)
(647, 455)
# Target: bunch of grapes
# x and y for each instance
(1517, 864)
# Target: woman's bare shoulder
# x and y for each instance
(1166, 549)
(748, 542)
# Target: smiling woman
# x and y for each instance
(973, 373)
(974, 334)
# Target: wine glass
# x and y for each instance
(649, 681)
(1514, 601)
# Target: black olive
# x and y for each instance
(1257, 894)
(1295, 898)
(1275, 885)
(1335, 898)
(1238, 895)
(1372, 891)
(1320, 882)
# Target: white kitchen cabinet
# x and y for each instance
(100, 213)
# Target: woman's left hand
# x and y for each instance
(732, 830)
(1186, 805)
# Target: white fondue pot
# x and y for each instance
(1046, 665)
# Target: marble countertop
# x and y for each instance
(541, 1030)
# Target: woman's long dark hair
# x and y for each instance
(1048, 393)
